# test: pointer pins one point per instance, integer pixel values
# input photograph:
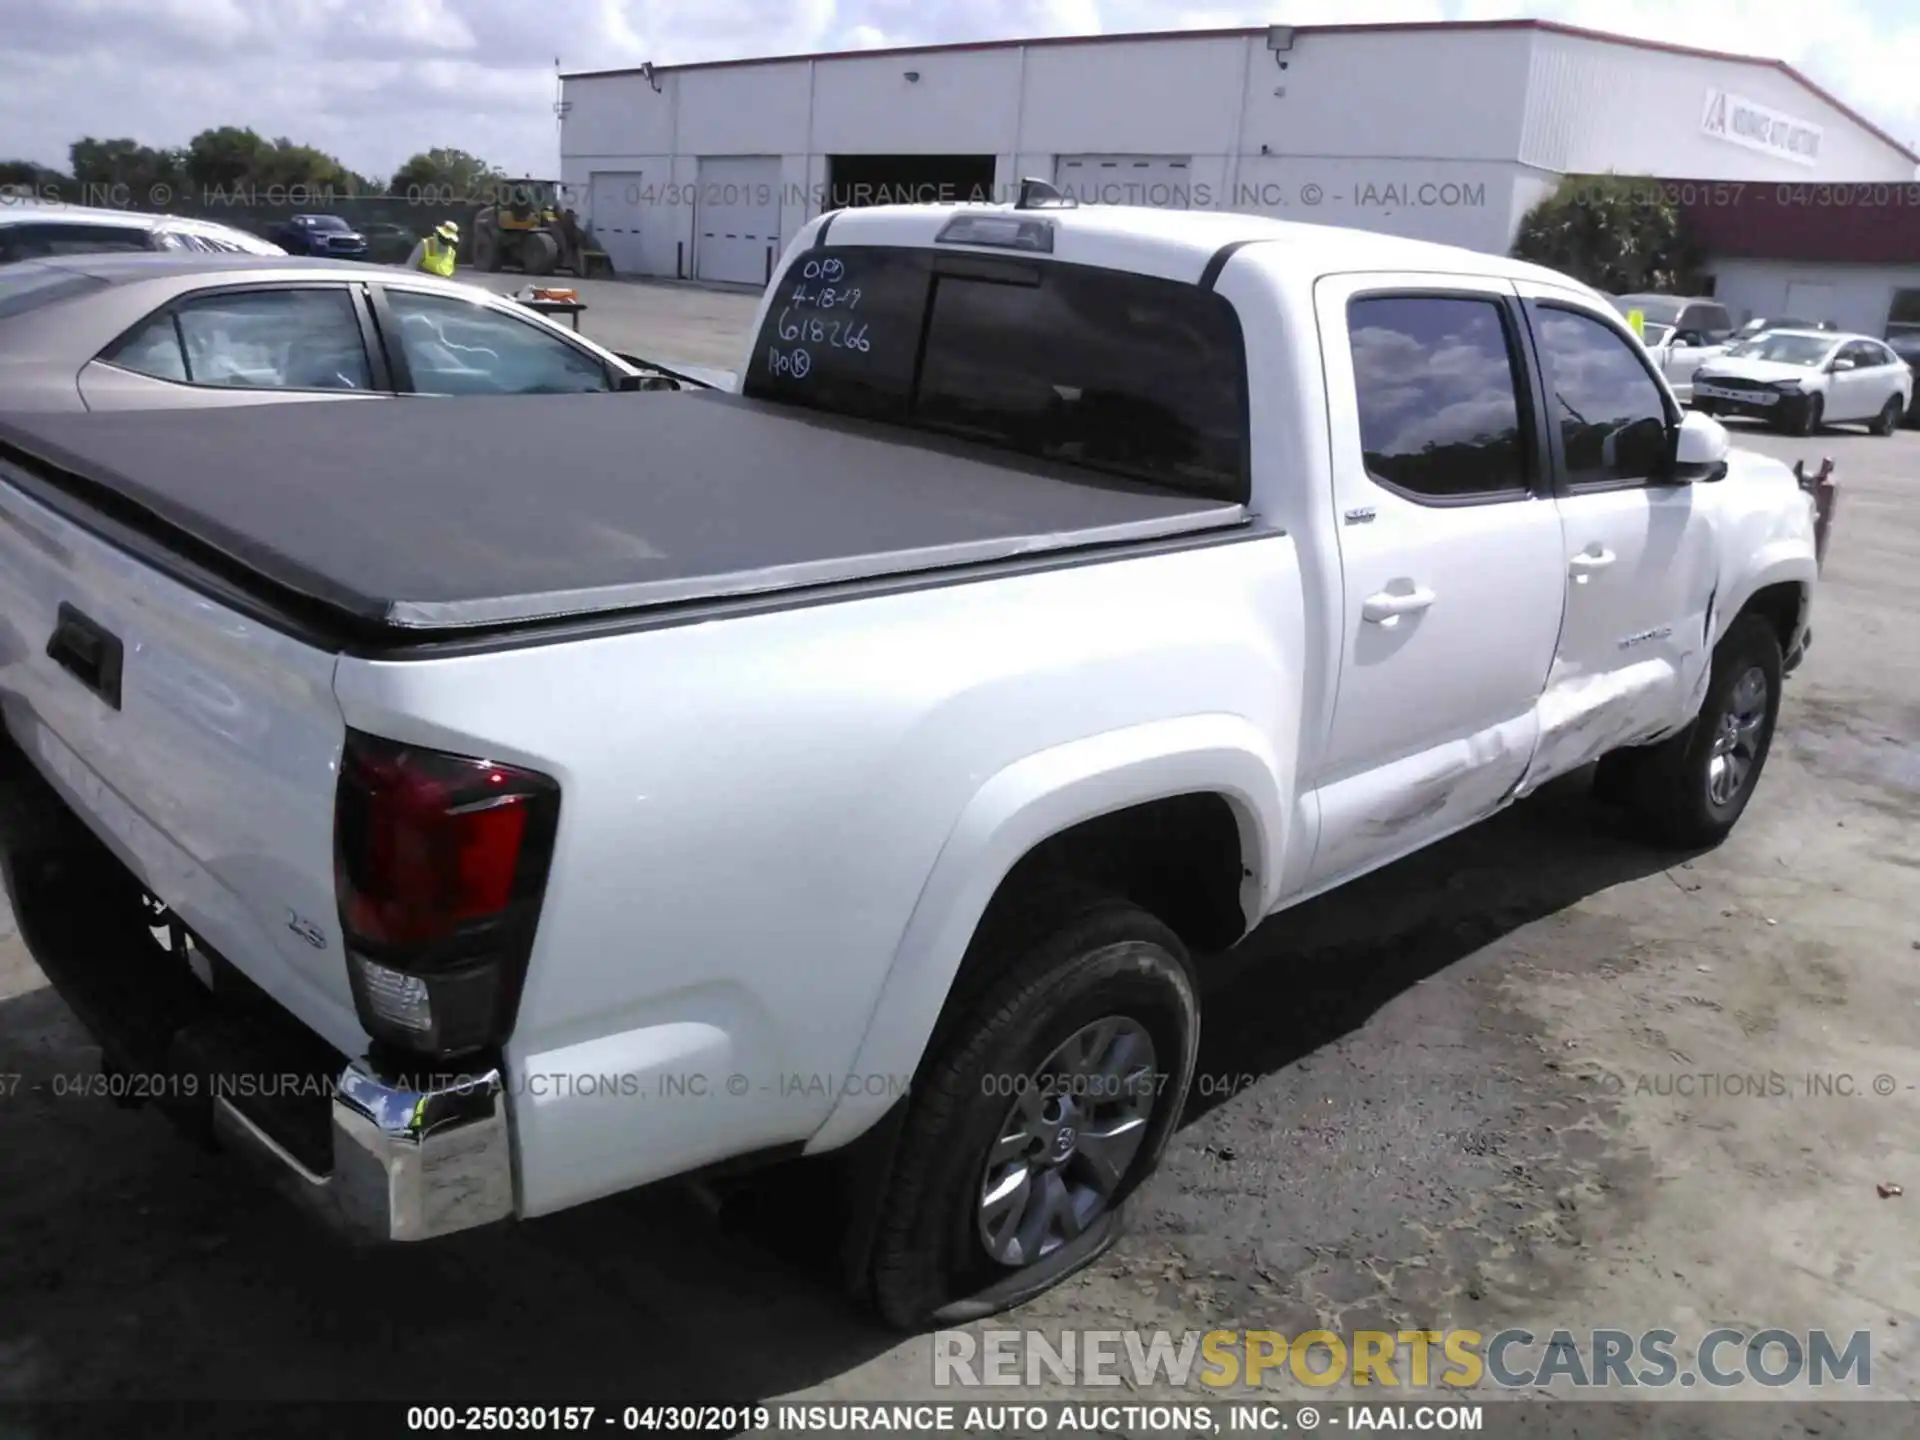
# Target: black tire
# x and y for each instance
(1669, 783)
(1705, 407)
(1082, 958)
(1805, 419)
(539, 253)
(1888, 420)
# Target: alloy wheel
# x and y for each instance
(1737, 740)
(1068, 1141)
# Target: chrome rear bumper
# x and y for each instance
(411, 1161)
(383, 1156)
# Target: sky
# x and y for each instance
(373, 81)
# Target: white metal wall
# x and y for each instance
(1445, 134)
(1593, 107)
(1860, 295)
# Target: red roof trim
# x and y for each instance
(1804, 221)
(1554, 27)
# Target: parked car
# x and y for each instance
(1678, 355)
(581, 794)
(1690, 331)
(1906, 344)
(387, 242)
(1802, 379)
(326, 236)
(31, 230)
(139, 332)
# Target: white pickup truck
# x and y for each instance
(863, 762)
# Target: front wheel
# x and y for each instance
(1805, 418)
(1689, 791)
(1037, 1115)
(1888, 419)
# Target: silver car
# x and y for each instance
(155, 331)
(31, 229)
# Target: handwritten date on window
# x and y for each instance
(826, 297)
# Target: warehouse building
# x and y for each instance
(1448, 132)
(1848, 255)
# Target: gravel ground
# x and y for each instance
(1463, 1092)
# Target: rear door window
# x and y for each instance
(304, 339)
(1438, 388)
(1127, 374)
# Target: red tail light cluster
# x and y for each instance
(440, 864)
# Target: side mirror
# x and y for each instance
(1700, 449)
(1836, 366)
(631, 383)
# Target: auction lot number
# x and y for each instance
(687, 1419)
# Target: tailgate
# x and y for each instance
(198, 744)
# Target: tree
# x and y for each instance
(1618, 233)
(124, 171)
(225, 159)
(455, 171)
(284, 163)
(30, 178)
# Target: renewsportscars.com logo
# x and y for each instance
(1413, 1359)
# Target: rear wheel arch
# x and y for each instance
(1183, 859)
(1031, 841)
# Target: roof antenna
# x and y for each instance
(1037, 194)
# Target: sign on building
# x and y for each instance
(1740, 121)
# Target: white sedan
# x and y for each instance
(1679, 354)
(1802, 379)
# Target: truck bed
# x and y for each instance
(413, 516)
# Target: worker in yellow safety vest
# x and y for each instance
(434, 253)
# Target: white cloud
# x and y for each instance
(372, 81)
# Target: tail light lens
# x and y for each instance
(440, 865)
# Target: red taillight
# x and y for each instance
(439, 861)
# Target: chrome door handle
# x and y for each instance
(1388, 606)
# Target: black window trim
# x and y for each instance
(379, 377)
(1562, 486)
(1529, 397)
(386, 329)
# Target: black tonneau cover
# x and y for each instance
(431, 514)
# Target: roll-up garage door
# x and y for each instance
(1163, 181)
(617, 198)
(736, 218)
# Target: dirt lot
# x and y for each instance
(1506, 1082)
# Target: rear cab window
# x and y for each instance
(1130, 375)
